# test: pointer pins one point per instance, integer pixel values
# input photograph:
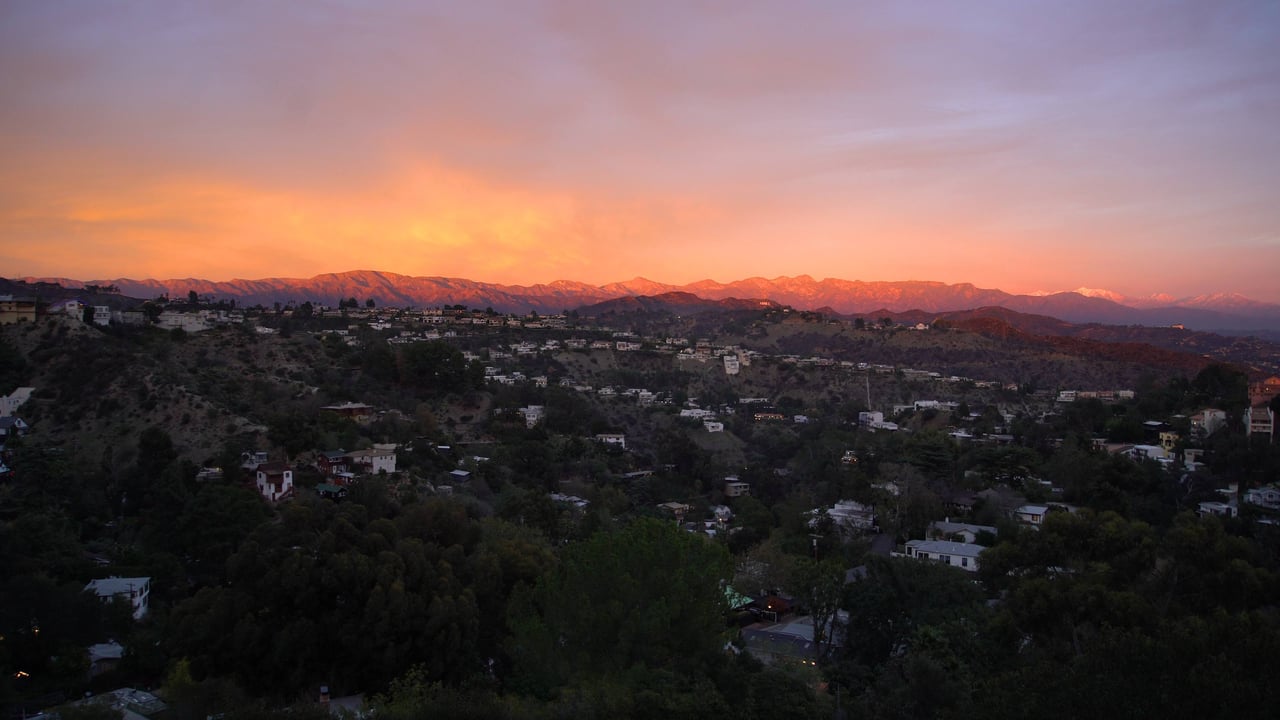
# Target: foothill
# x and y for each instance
(756, 512)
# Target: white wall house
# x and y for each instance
(137, 590)
(275, 481)
(961, 555)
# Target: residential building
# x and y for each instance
(1267, 496)
(136, 590)
(961, 555)
(733, 487)
(1261, 392)
(354, 410)
(1207, 421)
(374, 460)
(532, 414)
(1031, 514)
(617, 439)
(11, 427)
(17, 309)
(102, 316)
(958, 531)
(10, 403)
(1260, 422)
(848, 516)
(274, 481)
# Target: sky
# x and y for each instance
(1026, 146)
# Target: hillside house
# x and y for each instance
(1267, 496)
(1031, 514)
(1207, 421)
(374, 460)
(1260, 421)
(136, 590)
(10, 403)
(733, 487)
(274, 481)
(17, 309)
(960, 555)
(1261, 392)
(12, 427)
(958, 531)
(615, 439)
(532, 414)
(847, 516)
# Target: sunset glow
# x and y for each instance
(1024, 146)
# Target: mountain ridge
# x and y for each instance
(1220, 312)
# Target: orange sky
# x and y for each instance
(1025, 148)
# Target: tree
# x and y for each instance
(370, 303)
(819, 585)
(192, 297)
(648, 595)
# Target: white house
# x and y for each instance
(613, 439)
(1267, 496)
(1031, 514)
(713, 426)
(137, 590)
(275, 481)
(961, 555)
(375, 460)
(10, 403)
(848, 516)
(733, 487)
(731, 365)
(531, 414)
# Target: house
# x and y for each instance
(733, 487)
(1207, 421)
(73, 309)
(127, 703)
(374, 460)
(11, 427)
(1267, 496)
(1221, 509)
(10, 403)
(532, 414)
(957, 531)
(713, 426)
(250, 460)
(848, 516)
(102, 316)
(17, 309)
(331, 491)
(678, 509)
(1260, 422)
(1031, 514)
(136, 590)
(1261, 392)
(354, 410)
(333, 463)
(617, 439)
(961, 555)
(731, 365)
(274, 481)
(104, 657)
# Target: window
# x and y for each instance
(945, 558)
(964, 562)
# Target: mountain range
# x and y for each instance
(1222, 313)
